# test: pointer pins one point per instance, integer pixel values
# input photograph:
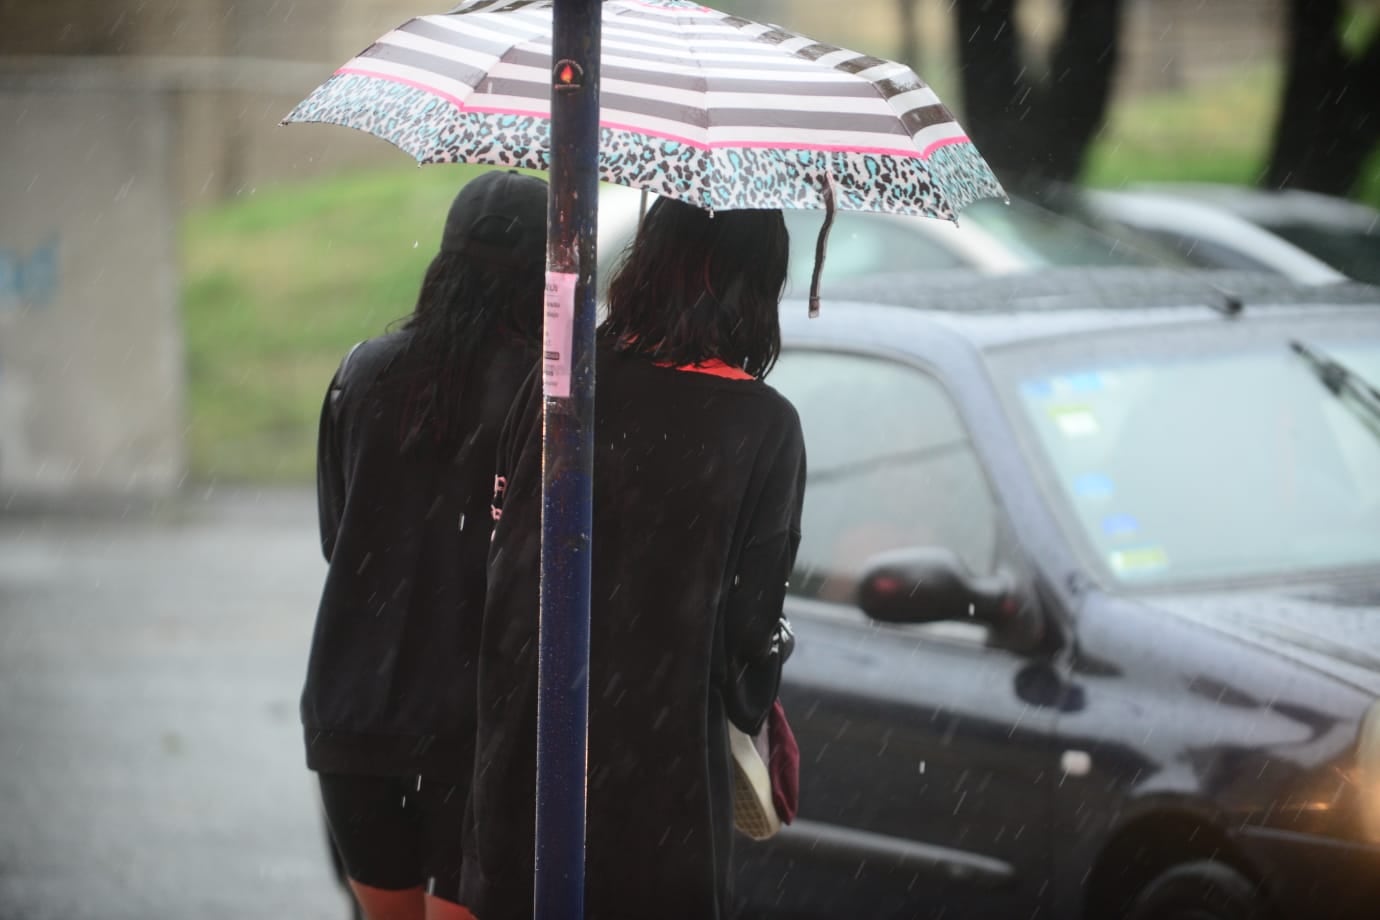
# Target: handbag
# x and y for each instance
(754, 812)
(766, 776)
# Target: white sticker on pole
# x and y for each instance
(558, 334)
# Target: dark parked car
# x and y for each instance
(1345, 234)
(1088, 602)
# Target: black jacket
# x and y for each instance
(698, 483)
(390, 679)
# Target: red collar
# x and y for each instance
(714, 367)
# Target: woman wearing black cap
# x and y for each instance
(404, 480)
(699, 472)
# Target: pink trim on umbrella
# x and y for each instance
(944, 142)
(903, 153)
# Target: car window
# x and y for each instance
(1205, 253)
(1041, 237)
(1351, 252)
(890, 466)
(858, 245)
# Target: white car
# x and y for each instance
(1345, 234)
(991, 237)
(1207, 231)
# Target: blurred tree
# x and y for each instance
(909, 53)
(1329, 122)
(1034, 129)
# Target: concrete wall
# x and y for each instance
(1177, 44)
(109, 27)
(91, 358)
(235, 67)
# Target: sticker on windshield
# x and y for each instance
(1094, 486)
(1138, 561)
(1086, 382)
(1080, 383)
(1120, 526)
(1075, 421)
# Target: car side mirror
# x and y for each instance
(929, 584)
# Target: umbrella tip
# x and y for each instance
(814, 306)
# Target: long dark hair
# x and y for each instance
(464, 307)
(694, 287)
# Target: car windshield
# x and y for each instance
(861, 244)
(1002, 237)
(1043, 237)
(991, 237)
(1202, 457)
(1351, 252)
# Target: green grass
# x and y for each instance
(279, 284)
(1221, 136)
(277, 287)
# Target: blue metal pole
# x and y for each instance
(567, 464)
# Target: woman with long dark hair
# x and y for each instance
(404, 479)
(699, 472)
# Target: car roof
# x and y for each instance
(886, 311)
(1192, 219)
(1274, 207)
(971, 241)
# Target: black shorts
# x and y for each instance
(397, 832)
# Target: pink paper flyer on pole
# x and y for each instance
(558, 332)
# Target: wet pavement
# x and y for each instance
(150, 756)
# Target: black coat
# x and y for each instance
(698, 484)
(390, 680)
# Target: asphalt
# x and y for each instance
(151, 654)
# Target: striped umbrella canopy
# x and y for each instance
(696, 104)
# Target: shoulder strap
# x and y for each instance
(341, 375)
(345, 362)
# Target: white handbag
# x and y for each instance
(754, 813)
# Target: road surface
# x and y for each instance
(150, 755)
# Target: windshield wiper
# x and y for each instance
(1344, 383)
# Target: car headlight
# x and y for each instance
(1368, 766)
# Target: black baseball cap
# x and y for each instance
(498, 217)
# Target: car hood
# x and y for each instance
(1332, 628)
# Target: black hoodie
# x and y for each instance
(698, 482)
(390, 679)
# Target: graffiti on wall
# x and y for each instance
(29, 279)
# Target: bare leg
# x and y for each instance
(441, 909)
(381, 904)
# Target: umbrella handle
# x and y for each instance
(822, 243)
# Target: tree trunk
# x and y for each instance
(1034, 132)
(1076, 98)
(996, 93)
(909, 52)
(1327, 125)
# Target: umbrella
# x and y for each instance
(696, 104)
